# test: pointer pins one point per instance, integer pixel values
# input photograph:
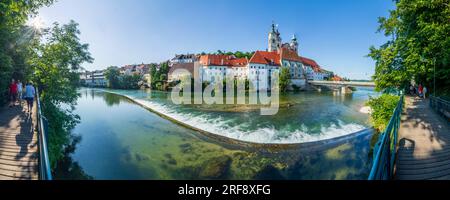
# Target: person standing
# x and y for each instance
(12, 93)
(30, 92)
(19, 91)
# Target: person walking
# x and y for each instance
(19, 91)
(425, 90)
(420, 90)
(12, 93)
(30, 92)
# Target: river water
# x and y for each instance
(122, 140)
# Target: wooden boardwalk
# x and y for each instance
(18, 145)
(424, 143)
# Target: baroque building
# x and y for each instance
(261, 65)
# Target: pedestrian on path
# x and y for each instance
(30, 92)
(19, 91)
(420, 90)
(12, 93)
(425, 90)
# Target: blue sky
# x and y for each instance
(335, 33)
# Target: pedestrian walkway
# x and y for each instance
(424, 143)
(18, 144)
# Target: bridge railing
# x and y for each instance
(344, 83)
(385, 149)
(44, 163)
(441, 106)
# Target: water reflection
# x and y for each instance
(67, 168)
(124, 141)
(111, 99)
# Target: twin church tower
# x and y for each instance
(275, 42)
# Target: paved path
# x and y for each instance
(18, 145)
(424, 143)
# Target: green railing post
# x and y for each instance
(385, 149)
(44, 163)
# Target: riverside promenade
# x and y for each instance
(424, 143)
(18, 144)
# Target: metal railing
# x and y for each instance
(44, 163)
(386, 148)
(441, 106)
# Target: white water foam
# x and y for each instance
(263, 135)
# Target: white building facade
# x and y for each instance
(262, 64)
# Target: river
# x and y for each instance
(120, 139)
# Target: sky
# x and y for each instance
(335, 33)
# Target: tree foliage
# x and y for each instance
(112, 74)
(55, 64)
(51, 59)
(382, 109)
(159, 75)
(119, 81)
(419, 42)
(237, 54)
(130, 81)
(284, 79)
(14, 40)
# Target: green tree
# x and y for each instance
(15, 39)
(419, 45)
(112, 74)
(130, 81)
(164, 69)
(152, 70)
(284, 79)
(55, 64)
(382, 109)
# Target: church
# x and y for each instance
(279, 54)
(264, 63)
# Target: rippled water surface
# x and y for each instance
(302, 117)
(122, 140)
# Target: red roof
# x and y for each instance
(187, 66)
(312, 63)
(336, 78)
(259, 57)
(222, 60)
(266, 58)
(287, 54)
(239, 62)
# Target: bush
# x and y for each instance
(285, 79)
(382, 110)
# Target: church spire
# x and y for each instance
(294, 43)
(274, 29)
(274, 38)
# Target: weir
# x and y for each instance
(228, 121)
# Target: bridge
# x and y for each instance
(23, 147)
(415, 144)
(341, 86)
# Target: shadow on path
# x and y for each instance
(424, 150)
(18, 144)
